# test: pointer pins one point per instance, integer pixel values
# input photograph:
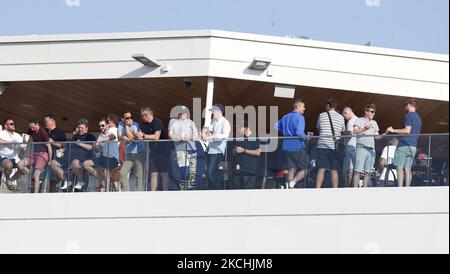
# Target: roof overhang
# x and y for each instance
(227, 55)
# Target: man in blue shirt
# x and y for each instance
(128, 133)
(290, 126)
(407, 145)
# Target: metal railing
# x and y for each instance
(188, 165)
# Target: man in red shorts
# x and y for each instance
(40, 153)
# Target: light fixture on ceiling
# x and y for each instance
(130, 103)
(284, 91)
(27, 106)
(146, 61)
(260, 63)
(3, 87)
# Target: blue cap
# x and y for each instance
(218, 107)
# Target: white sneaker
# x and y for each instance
(64, 185)
(79, 186)
(292, 184)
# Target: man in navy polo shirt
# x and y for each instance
(407, 145)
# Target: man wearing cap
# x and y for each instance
(219, 132)
(183, 132)
(245, 159)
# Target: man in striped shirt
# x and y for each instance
(326, 146)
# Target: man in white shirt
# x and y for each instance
(220, 130)
(388, 171)
(184, 132)
(350, 158)
(9, 150)
(109, 154)
(366, 128)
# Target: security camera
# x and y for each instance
(3, 87)
(187, 83)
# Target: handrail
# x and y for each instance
(250, 138)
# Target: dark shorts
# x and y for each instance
(12, 161)
(159, 163)
(327, 159)
(64, 161)
(297, 159)
(109, 163)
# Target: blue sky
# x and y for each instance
(420, 25)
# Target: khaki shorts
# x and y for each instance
(404, 157)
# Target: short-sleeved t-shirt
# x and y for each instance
(324, 126)
(109, 149)
(414, 121)
(56, 135)
(150, 129)
(350, 125)
(40, 136)
(247, 163)
(367, 138)
(77, 152)
(180, 128)
(388, 154)
(136, 146)
(10, 151)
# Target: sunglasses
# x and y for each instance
(128, 118)
(11, 124)
(371, 111)
(102, 126)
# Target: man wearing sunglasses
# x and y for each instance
(41, 153)
(109, 154)
(128, 133)
(366, 128)
(9, 150)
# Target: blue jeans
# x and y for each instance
(213, 163)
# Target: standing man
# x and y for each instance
(350, 158)
(55, 135)
(128, 133)
(330, 124)
(293, 125)
(42, 153)
(366, 128)
(184, 133)
(246, 154)
(152, 129)
(407, 145)
(220, 130)
(9, 150)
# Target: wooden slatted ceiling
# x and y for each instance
(93, 99)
